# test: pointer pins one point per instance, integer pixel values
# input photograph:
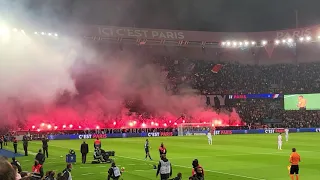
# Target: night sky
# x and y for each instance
(203, 15)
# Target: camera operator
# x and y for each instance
(40, 157)
(114, 172)
(198, 174)
(17, 164)
(195, 165)
(66, 174)
(37, 171)
(164, 168)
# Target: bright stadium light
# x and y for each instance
(290, 40)
(223, 43)
(35, 32)
(49, 126)
(55, 127)
(308, 38)
(43, 33)
(4, 31)
(276, 41)
(228, 43)
(253, 43)
(319, 37)
(33, 127)
(49, 34)
(114, 123)
(264, 42)
(246, 43)
(284, 41)
(175, 123)
(143, 125)
(240, 43)
(301, 39)
(55, 34)
(234, 43)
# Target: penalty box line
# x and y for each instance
(218, 172)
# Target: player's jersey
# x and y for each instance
(146, 146)
(279, 138)
(286, 131)
(209, 136)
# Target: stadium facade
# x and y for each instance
(271, 47)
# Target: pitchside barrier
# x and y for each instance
(186, 133)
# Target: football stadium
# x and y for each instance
(128, 90)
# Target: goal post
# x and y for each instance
(191, 129)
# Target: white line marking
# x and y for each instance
(218, 172)
(87, 174)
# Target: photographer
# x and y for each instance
(17, 164)
(40, 157)
(198, 174)
(114, 172)
(195, 165)
(164, 168)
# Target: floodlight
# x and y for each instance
(284, 41)
(55, 34)
(246, 43)
(264, 42)
(4, 32)
(301, 38)
(223, 43)
(253, 43)
(290, 40)
(42, 33)
(276, 41)
(228, 43)
(49, 34)
(234, 43)
(308, 38)
(240, 43)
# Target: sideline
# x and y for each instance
(218, 172)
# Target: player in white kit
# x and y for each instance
(287, 134)
(209, 138)
(280, 142)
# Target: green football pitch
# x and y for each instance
(231, 157)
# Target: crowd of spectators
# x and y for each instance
(235, 78)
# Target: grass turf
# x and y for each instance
(231, 157)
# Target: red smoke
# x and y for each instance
(108, 91)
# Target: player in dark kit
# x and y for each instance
(15, 145)
(147, 149)
(45, 146)
(25, 145)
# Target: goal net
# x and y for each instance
(195, 129)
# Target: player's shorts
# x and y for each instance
(280, 142)
(294, 169)
(146, 150)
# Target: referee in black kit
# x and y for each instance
(84, 151)
(45, 146)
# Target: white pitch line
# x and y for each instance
(218, 172)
